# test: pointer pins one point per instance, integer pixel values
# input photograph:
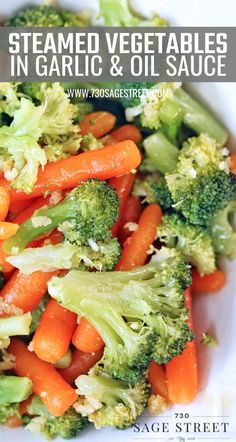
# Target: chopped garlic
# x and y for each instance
(93, 245)
(132, 227)
(31, 346)
(192, 172)
(55, 197)
(39, 221)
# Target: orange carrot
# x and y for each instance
(14, 422)
(131, 214)
(86, 338)
(233, 163)
(157, 379)
(5, 266)
(53, 335)
(7, 229)
(208, 283)
(97, 123)
(80, 364)
(4, 203)
(181, 371)
(56, 394)
(122, 185)
(136, 247)
(125, 132)
(103, 164)
(26, 291)
(17, 207)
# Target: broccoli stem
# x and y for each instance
(28, 230)
(199, 118)
(15, 325)
(171, 118)
(14, 389)
(162, 153)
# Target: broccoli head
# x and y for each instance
(8, 411)
(100, 255)
(222, 229)
(194, 242)
(153, 189)
(132, 310)
(66, 426)
(110, 402)
(202, 184)
(87, 212)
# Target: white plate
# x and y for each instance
(216, 312)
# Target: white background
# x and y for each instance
(214, 313)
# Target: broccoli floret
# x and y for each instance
(100, 255)
(202, 184)
(66, 426)
(194, 242)
(119, 13)
(154, 190)
(110, 402)
(20, 153)
(36, 15)
(223, 233)
(150, 298)
(162, 154)
(166, 106)
(9, 100)
(14, 389)
(88, 210)
(7, 411)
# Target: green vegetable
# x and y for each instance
(110, 402)
(15, 325)
(161, 152)
(208, 340)
(150, 298)
(20, 152)
(66, 426)
(119, 13)
(65, 361)
(223, 231)
(14, 389)
(7, 411)
(154, 190)
(194, 242)
(46, 16)
(202, 183)
(87, 212)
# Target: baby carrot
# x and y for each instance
(125, 132)
(157, 379)
(26, 291)
(97, 123)
(136, 247)
(233, 163)
(53, 334)
(56, 394)
(131, 214)
(181, 371)
(80, 364)
(105, 163)
(208, 283)
(7, 229)
(18, 207)
(4, 203)
(86, 338)
(122, 185)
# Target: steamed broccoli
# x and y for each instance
(202, 184)
(87, 212)
(138, 313)
(101, 255)
(110, 402)
(41, 421)
(153, 189)
(119, 13)
(47, 16)
(13, 326)
(194, 242)
(166, 106)
(8, 411)
(222, 229)
(14, 389)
